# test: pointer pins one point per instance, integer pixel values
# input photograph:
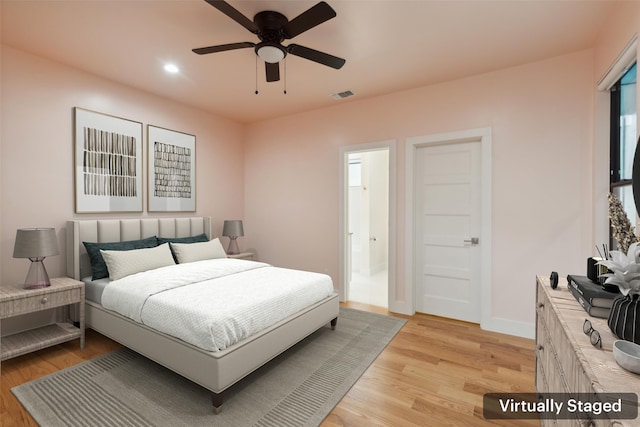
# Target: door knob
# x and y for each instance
(473, 241)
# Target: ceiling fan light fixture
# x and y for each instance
(270, 53)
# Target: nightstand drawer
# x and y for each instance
(39, 302)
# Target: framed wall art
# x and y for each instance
(108, 163)
(171, 170)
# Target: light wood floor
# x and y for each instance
(433, 373)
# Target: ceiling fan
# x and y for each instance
(272, 28)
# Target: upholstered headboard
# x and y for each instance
(120, 230)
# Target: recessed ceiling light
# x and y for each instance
(171, 68)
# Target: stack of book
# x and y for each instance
(591, 296)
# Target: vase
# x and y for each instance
(624, 318)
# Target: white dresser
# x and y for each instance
(566, 362)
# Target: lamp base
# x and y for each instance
(233, 246)
(37, 276)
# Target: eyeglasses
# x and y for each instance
(594, 335)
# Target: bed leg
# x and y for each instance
(216, 399)
(334, 322)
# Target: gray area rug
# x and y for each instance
(298, 388)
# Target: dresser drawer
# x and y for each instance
(557, 346)
(542, 351)
(543, 387)
(547, 354)
(544, 309)
(555, 374)
(29, 304)
(563, 352)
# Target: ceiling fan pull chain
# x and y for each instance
(256, 75)
(285, 76)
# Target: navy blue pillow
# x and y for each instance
(99, 267)
(192, 239)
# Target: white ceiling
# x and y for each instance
(388, 45)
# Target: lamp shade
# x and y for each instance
(35, 243)
(233, 228)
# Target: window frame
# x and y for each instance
(616, 183)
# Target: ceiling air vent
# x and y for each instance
(342, 95)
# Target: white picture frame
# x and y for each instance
(171, 170)
(107, 163)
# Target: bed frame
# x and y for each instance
(216, 371)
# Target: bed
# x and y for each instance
(214, 370)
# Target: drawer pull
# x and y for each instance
(44, 300)
(540, 347)
(540, 305)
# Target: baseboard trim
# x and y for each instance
(510, 327)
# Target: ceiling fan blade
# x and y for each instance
(272, 71)
(232, 13)
(314, 16)
(222, 47)
(316, 56)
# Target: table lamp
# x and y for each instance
(233, 229)
(36, 244)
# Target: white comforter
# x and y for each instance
(215, 303)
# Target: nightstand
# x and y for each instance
(242, 255)
(15, 301)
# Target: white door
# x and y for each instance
(447, 226)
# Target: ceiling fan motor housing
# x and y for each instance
(270, 26)
(270, 21)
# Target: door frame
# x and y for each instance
(482, 135)
(343, 218)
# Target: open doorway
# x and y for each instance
(368, 226)
(367, 240)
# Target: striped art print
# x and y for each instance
(172, 171)
(109, 164)
(171, 175)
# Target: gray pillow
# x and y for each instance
(98, 267)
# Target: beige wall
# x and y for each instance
(541, 118)
(36, 165)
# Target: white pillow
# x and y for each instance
(190, 252)
(125, 263)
